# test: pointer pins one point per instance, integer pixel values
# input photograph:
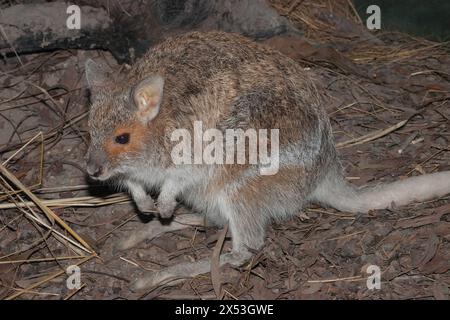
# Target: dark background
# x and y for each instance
(426, 18)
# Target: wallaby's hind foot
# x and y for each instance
(155, 228)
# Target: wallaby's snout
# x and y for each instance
(95, 165)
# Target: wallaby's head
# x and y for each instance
(119, 121)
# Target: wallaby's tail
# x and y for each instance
(338, 193)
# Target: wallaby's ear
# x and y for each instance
(96, 75)
(147, 97)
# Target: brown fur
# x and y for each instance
(136, 130)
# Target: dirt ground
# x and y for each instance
(394, 94)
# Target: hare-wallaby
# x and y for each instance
(226, 82)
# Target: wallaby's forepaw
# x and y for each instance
(166, 208)
(146, 205)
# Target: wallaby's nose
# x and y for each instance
(97, 172)
(94, 171)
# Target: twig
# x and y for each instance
(87, 201)
(371, 136)
(49, 278)
(215, 264)
(49, 213)
(41, 260)
(354, 278)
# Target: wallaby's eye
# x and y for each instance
(123, 138)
